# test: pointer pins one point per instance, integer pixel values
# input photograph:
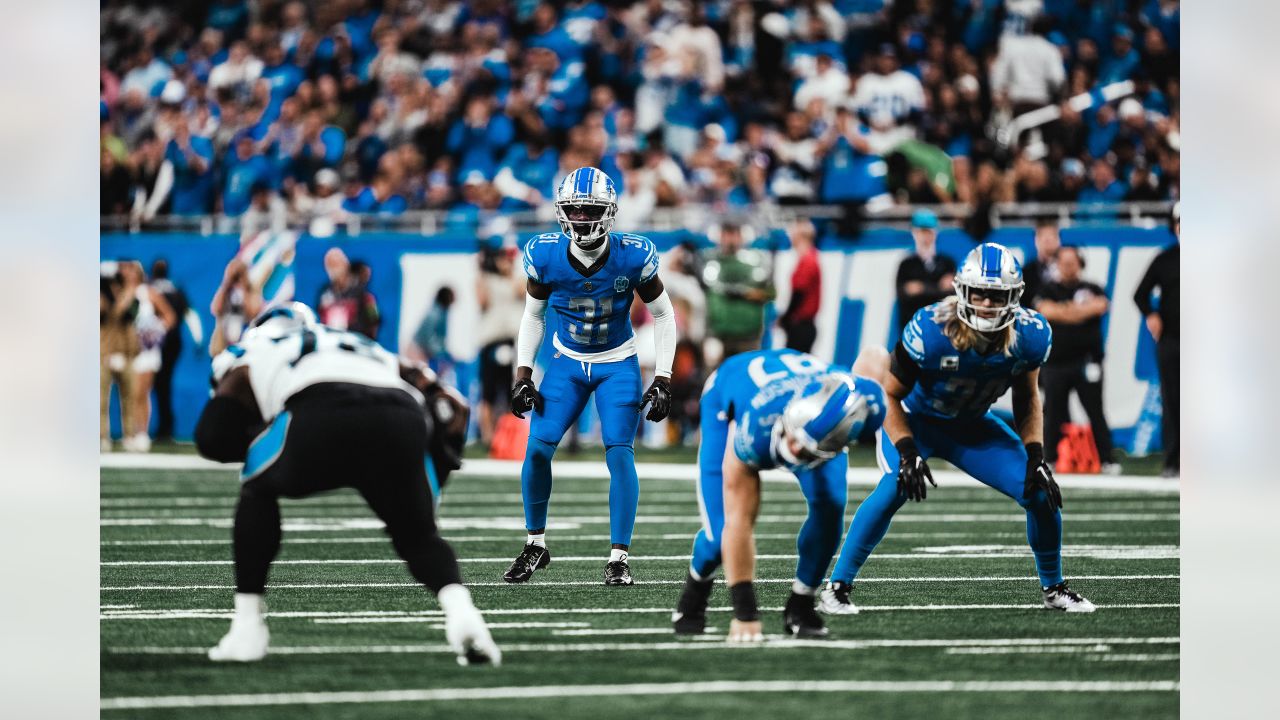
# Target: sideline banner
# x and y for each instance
(858, 298)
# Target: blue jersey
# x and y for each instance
(593, 310)
(754, 388)
(955, 384)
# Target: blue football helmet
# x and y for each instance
(586, 203)
(990, 272)
(820, 422)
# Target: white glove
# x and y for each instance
(465, 630)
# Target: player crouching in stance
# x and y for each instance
(339, 411)
(589, 276)
(761, 410)
(955, 359)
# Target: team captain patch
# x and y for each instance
(621, 284)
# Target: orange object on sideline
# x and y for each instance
(1076, 451)
(510, 437)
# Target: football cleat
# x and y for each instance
(1061, 597)
(532, 557)
(617, 572)
(799, 618)
(690, 616)
(246, 641)
(834, 599)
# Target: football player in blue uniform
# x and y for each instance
(957, 357)
(774, 409)
(589, 276)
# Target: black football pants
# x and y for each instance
(342, 435)
(1058, 382)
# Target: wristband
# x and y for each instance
(1035, 453)
(907, 446)
(743, 596)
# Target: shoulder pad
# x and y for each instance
(535, 255)
(1033, 338)
(915, 333)
(646, 254)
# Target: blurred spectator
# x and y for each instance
(1074, 309)
(170, 347)
(1104, 188)
(237, 301)
(152, 181)
(237, 72)
(500, 293)
(345, 302)
(1158, 298)
(430, 340)
(1043, 270)
(806, 289)
(681, 275)
(114, 185)
(889, 100)
(379, 197)
(267, 211)
(527, 173)
(925, 276)
(828, 83)
(1028, 70)
(192, 158)
(117, 348)
(246, 171)
(738, 288)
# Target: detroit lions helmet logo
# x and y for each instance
(621, 284)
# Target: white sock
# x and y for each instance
(616, 555)
(800, 588)
(250, 606)
(540, 540)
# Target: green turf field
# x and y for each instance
(950, 618)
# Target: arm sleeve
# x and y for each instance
(532, 327)
(164, 183)
(664, 336)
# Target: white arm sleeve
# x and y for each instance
(532, 327)
(164, 183)
(664, 333)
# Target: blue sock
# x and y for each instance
(535, 482)
(869, 525)
(1044, 534)
(624, 493)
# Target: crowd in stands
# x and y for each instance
(305, 110)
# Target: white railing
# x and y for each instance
(694, 217)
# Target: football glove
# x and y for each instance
(525, 397)
(1040, 476)
(659, 393)
(913, 471)
(467, 634)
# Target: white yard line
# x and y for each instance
(1137, 657)
(592, 583)
(226, 614)
(596, 469)
(338, 523)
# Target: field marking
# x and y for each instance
(583, 583)
(1136, 657)
(1100, 648)
(523, 692)
(382, 616)
(610, 632)
(483, 469)
(337, 523)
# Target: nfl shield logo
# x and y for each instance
(586, 285)
(951, 362)
(620, 284)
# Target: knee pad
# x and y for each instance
(541, 449)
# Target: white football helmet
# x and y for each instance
(586, 203)
(280, 319)
(990, 272)
(821, 420)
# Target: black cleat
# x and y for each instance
(532, 557)
(617, 572)
(800, 618)
(690, 616)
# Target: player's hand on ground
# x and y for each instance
(745, 631)
(913, 472)
(469, 638)
(659, 393)
(525, 397)
(1040, 477)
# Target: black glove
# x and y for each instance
(1040, 476)
(525, 397)
(912, 471)
(659, 393)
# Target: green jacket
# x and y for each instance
(729, 278)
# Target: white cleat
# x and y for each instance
(245, 642)
(834, 600)
(137, 443)
(1061, 597)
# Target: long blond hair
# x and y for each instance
(962, 336)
